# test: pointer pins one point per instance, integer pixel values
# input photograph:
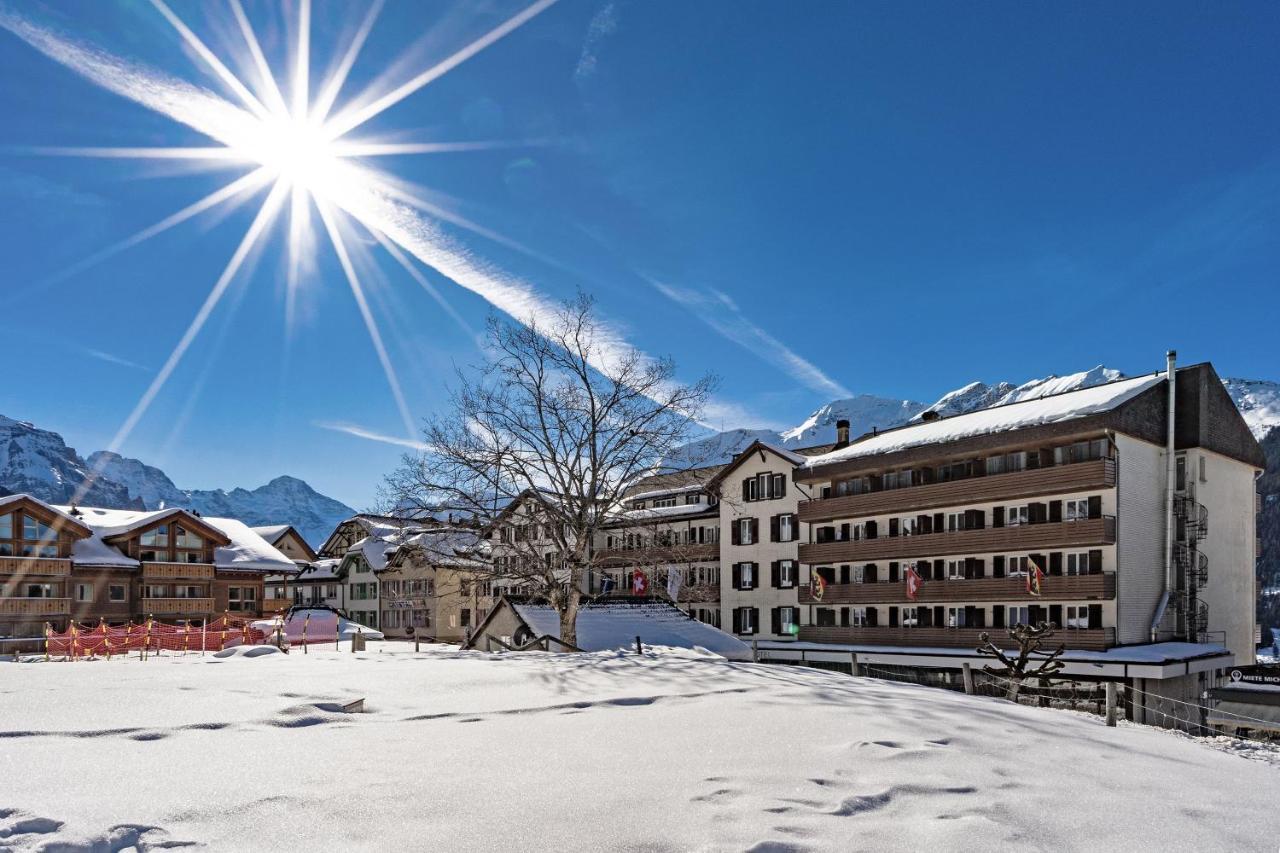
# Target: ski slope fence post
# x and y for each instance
(639, 647)
(306, 620)
(968, 678)
(855, 668)
(1111, 703)
(47, 629)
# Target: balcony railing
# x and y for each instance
(1072, 477)
(177, 571)
(1099, 587)
(47, 567)
(1089, 639)
(987, 540)
(273, 605)
(179, 606)
(35, 606)
(657, 555)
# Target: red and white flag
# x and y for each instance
(639, 582)
(1035, 578)
(913, 583)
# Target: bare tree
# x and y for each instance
(540, 444)
(1029, 662)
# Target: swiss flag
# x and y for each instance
(913, 583)
(639, 582)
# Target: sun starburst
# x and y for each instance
(298, 142)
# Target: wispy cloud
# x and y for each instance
(721, 313)
(109, 358)
(604, 23)
(372, 435)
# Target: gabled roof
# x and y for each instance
(64, 519)
(792, 457)
(605, 626)
(116, 525)
(275, 532)
(450, 547)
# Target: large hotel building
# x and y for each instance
(1124, 514)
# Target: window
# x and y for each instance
(788, 620)
(786, 573)
(156, 537)
(466, 617)
(1203, 461)
(6, 526)
(745, 528)
(1076, 510)
(155, 590)
(1078, 564)
(38, 539)
(660, 502)
(1015, 566)
(117, 592)
(39, 590)
(1182, 472)
(1077, 616)
(955, 570)
(1018, 616)
(786, 528)
(747, 620)
(858, 617)
(748, 575)
(910, 617)
(1015, 515)
(955, 617)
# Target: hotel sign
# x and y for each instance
(406, 603)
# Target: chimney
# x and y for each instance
(842, 433)
(929, 415)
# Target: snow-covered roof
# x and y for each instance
(320, 570)
(375, 550)
(658, 493)
(614, 625)
(654, 513)
(271, 532)
(64, 514)
(450, 546)
(1053, 408)
(247, 551)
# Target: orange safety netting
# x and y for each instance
(151, 636)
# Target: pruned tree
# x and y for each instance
(541, 442)
(1029, 662)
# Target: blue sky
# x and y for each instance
(863, 198)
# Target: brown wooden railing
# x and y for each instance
(1090, 639)
(1101, 586)
(48, 567)
(988, 540)
(1073, 477)
(177, 571)
(181, 606)
(272, 605)
(35, 606)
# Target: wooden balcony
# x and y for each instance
(1088, 639)
(658, 555)
(177, 571)
(45, 567)
(35, 606)
(274, 605)
(1075, 477)
(176, 606)
(988, 540)
(1099, 587)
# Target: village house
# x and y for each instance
(64, 563)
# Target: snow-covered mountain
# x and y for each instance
(1258, 401)
(40, 463)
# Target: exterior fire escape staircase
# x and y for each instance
(1191, 566)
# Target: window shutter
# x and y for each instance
(939, 522)
(893, 617)
(827, 573)
(1055, 510)
(997, 616)
(755, 619)
(871, 573)
(737, 580)
(893, 573)
(1095, 506)
(1095, 561)
(737, 618)
(939, 616)
(1055, 563)
(844, 574)
(924, 524)
(1055, 615)
(774, 524)
(746, 496)
(872, 528)
(1038, 513)
(1035, 613)
(980, 567)
(939, 570)
(872, 617)
(776, 615)
(844, 532)
(1095, 615)
(844, 617)
(997, 517)
(755, 575)
(893, 527)
(775, 577)
(755, 530)
(997, 567)
(735, 532)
